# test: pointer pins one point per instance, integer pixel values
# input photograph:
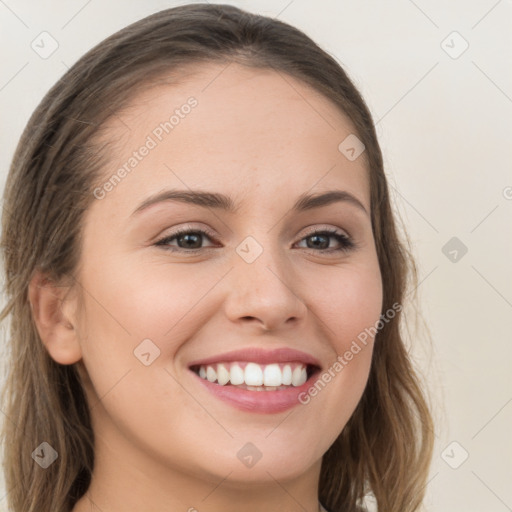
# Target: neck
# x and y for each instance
(128, 481)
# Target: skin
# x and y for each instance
(163, 442)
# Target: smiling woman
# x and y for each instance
(205, 302)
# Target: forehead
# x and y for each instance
(231, 127)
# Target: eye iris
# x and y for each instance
(193, 237)
(315, 245)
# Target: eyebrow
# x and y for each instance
(222, 202)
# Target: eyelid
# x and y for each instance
(186, 228)
(315, 228)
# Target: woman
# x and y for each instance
(260, 368)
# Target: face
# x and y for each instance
(266, 291)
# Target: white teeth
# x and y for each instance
(255, 377)
(237, 375)
(222, 374)
(211, 374)
(287, 375)
(299, 376)
(272, 375)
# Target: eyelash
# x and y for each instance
(346, 243)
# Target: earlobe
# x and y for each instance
(56, 328)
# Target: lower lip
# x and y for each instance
(263, 402)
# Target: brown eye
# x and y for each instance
(319, 241)
(188, 240)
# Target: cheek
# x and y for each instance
(348, 301)
(344, 303)
(130, 312)
(123, 319)
(137, 301)
(348, 305)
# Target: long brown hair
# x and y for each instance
(385, 448)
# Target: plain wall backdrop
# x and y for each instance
(437, 77)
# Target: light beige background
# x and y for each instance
(445, 125)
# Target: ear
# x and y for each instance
(51, 310)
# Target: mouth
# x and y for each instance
(258, 381)
(254, 376)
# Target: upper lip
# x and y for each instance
(260, 356)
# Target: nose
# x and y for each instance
(264, 293)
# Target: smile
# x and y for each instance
(258, 381)
(254, 376)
